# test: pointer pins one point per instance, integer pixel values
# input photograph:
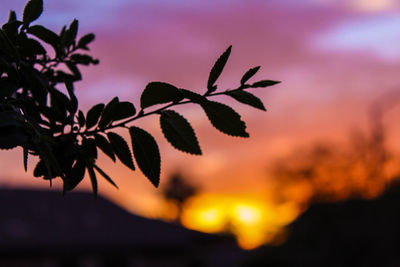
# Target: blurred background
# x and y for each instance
(330, 132)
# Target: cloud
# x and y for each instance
(376, 35)
(374, 5)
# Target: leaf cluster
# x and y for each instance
(38, 116)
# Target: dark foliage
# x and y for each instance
(179, 190)
(37, 116)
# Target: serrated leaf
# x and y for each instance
(102, 173)
(45, 35)
(123, 110)
(147, 155)
(93, 179)
(247, 98)
(159, 93)
(217, 70)
(93, 115)
(264, 83)
(121, 149)
(85, 40)
(107, 116)
(33, 9)
(225, 119)
(194, 97)
(104, 145)
(179, 133)
(250, 73)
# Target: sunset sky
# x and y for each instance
(335, 58)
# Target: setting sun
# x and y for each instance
(247, 215)
(253, 221)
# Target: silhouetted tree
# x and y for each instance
(36, 114)
(334, 172)
(178, 190)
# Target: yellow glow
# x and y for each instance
(247, 215)
(253, 221)
(209, 220)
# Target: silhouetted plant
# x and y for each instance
(336, 172)
(36, 115)
(179, 190)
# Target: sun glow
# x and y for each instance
(247, 215)
(253, 221)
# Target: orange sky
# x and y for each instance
(334, 58)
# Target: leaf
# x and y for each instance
(39, 169)
(70, 34)
(146, 153)
(250, 73)
(89, 148)
(123, 110)
(104, 145)
(105, 176)
(194, 97)
(217, 70)
(159, 93)
(264, 83)
(45, 35)
(107, 116)
(42, 169)
(93, 179)
(75, 176)
(179, 133)
(11, 28)
(12, 16)
(25, 152)
(33, 9)
(225, 119)
(10, 118)
(82, 59)
(247, 98)
(31, 47)
(85, 40)
(93, 115)
(81, 118)
(59, 101)
(121, 149)
(7, 87)
(7, 45)
(74, 69)
(12, 133)
(73, 104)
